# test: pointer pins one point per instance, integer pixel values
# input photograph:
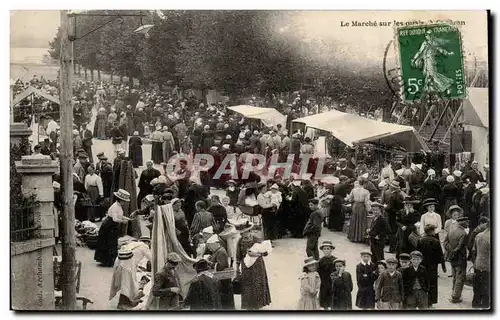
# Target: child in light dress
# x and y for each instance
(275, 195)
(310, 283)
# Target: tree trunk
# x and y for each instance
(98, 74)
(85, 71)
(111, 76)
(74, 68)
(121, 79)
(91, 75)
(79, 70)
(130, 79)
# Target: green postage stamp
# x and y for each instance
(431, 61)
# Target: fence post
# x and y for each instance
(37, 174)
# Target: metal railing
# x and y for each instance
(23, 224)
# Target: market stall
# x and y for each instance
(352, 129)
(476, 119)
(269, 116)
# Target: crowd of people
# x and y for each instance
(425, 213)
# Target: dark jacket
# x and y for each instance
(390, 288)
(409, 277)
(379, 227)
(164, 280)
(204, 293)
(313, 225)
(456, 246)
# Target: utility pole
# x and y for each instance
(68, 269)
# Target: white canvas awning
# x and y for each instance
(269, 116)
(476, 107)
(31, 90)
(351, 129)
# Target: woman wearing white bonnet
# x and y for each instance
(450, 194)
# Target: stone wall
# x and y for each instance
(32, 275)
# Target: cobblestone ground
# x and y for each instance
(284, 265)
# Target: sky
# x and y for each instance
(324, 37)
(327, 39)
(33, 28)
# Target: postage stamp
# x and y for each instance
(431, 61)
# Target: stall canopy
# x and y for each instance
(476, 107)
(269, 116)
(31, 90)
(351, 129)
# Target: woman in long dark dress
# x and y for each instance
(135, 149)
(336, 216)
(100, 125)
(342, 287)
(181, 227)
(157, 146)
(406, 219)
(144, 184)
(107, 240)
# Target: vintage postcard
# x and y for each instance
(184, 160)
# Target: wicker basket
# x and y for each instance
(225, 274)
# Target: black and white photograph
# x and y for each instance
(258, 160)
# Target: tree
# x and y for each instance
(55, 45)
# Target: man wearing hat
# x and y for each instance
(219, 259)
(167, 285)
(377, 232)
(416, 284)
(404, 261)
(80, 166)
(203, 292)
(343, 170)
(405, 220)
(390, 289)
(430, 248)
(312, 230)
(366, 274)
(394, 203)
(456, 248)
(99, 156)
(145, 179)
(325, 268)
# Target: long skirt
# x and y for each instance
(157, 152)
(93, 193)
(101, 129)
(358, 223)
(226, 294)
(255, 292)
(107, 243)
(135, 155)
(167, 151)
(336, 216)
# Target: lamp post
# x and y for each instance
(68, 36)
